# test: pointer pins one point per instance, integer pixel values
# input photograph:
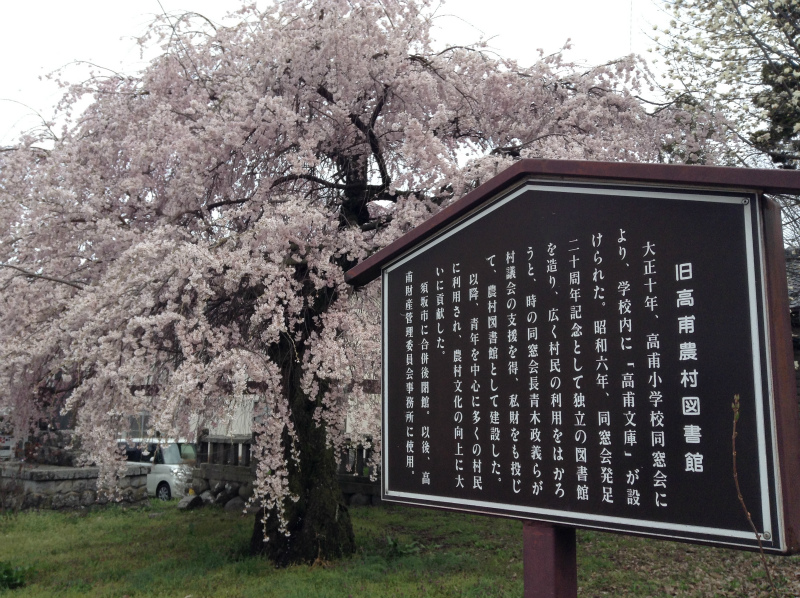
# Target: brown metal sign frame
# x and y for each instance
(780, 384)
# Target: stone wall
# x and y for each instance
(360, 491)
(24, 486)
(225, 471)
(221, 484)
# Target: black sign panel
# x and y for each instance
(570, 353)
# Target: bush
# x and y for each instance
(11, 577)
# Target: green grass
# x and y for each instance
(156, 550)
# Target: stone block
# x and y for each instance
(227, 492)
(235, 504)
(246, 491)
(62, 487)
(189, 502)
(81, 485)
(36, 501)
(199, 484)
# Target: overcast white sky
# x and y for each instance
(40, 36)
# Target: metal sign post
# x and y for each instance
(549, 561)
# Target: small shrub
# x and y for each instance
(11, 577)
(396, 549)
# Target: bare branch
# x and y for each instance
(72, 283)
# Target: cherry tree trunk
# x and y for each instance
(319, 522)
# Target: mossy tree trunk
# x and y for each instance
(319, 523)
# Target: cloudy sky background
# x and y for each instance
(38, 37)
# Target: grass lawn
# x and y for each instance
(155, 550)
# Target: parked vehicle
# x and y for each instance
(138, 450)
(7, 444)
(171, 471)
(7, 441)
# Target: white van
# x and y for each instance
(171, 471)
(7, 444)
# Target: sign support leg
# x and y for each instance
(550, 567)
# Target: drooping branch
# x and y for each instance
(224, 192)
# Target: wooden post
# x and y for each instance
(550, 566)
(246, 454)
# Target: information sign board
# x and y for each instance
(569, 352)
